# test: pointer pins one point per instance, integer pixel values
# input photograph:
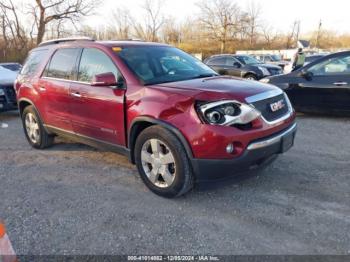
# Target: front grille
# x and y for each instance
(265, 107)
(10, 93)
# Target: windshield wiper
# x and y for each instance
(204, 75)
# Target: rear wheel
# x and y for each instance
(34, 129)
(162, 162)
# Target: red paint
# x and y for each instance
(102, 112)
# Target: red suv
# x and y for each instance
(172, 115)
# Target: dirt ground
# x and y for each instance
(72, 199)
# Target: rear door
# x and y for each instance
(219, 65)
(54, 88)
(233, 67)
(97, 111)
(328, 88)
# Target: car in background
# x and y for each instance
(243, 66)
(272, 59)
(14, 67)
(8, 99)
(322, 86)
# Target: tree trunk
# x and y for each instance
(41, 33)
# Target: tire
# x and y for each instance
(178, 177)
(251, 77)
(34, 129)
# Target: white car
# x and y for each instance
(8, 99)
(7, 76)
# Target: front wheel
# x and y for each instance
(163, 163)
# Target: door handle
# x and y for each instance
(340, 83)
(76, 94)
(42, 88)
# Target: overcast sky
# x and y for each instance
(280, 14)
(335, 14)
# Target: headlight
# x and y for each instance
(264, 71)
(2, 92)
(265, 80)
(227, 112)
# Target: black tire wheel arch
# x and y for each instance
(251, 76)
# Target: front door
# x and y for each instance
(97, 111)
(327, 89)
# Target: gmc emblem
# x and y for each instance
(277, 105)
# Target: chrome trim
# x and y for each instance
(63, 40)
(271, 94)
(271, 141)
(65, 80)
(263, 96)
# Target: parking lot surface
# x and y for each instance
(72, 199)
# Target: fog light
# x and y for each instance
(230, 148)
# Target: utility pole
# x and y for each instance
(298, 30)
(318, 34)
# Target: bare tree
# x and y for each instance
(171, 31)
(121, 23)
(47, 11)
(270, 35)
(13, 33)
(221, 18)
(253, 13)
(154, 20)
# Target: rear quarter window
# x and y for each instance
(62, 63)
(33, 62)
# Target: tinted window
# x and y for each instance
(155, 65)
(230, 61)
(62, 63)
(248, 60)
(94, 62)
(33, 62)
(12, 67)
(217, 61)
(332, 66)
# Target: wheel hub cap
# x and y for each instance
(32, 128)
(158, 163)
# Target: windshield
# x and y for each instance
(12, 67)
(156, 65)
(248, 60)
(276, 58)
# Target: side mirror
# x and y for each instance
(307, 75)
(106, 79)
(237, 65)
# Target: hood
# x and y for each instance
(7, 77)
(220, 87)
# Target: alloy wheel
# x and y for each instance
(158, 163)
(32, 127)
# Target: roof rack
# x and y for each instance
(128, 39)
(63, 40)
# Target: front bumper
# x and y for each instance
(257, 154)
(8, 99)
(6, 105)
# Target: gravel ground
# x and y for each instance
(72, 199)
